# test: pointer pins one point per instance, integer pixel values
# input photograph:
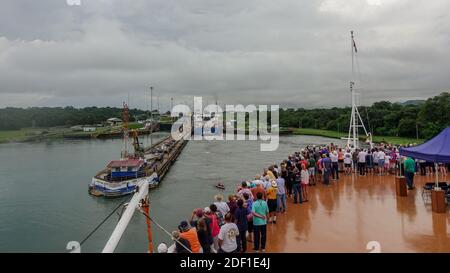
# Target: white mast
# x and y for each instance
(355, 119)
(133, 205)
(353, 129)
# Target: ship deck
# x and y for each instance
(346, 215)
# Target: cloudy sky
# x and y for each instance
(287, 52)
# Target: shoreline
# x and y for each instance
(337, 135)
(289, 132)
(22, 136)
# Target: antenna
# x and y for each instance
(151, 102)
(352, 43)
(125, 116)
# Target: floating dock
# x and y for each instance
(168, 157)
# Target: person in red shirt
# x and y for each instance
(303, 161)
(214, 225)
(258, 188)
(341, 159)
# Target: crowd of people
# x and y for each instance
(228, 226)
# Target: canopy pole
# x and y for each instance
(437, 176)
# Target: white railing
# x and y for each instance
(133, 205)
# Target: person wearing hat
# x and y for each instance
(198, 216)
(272, 201)
(190, 234)
(181, 245)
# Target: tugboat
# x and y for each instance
(149, 164)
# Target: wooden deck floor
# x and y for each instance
(346, 215)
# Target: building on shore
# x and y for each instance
(89, 129)
(114, 121)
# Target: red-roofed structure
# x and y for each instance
(134, 163)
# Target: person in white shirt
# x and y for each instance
(227, 236)
(304, 178)
(348, 162)
(222, 206)
(266, 182)
(387, 163)
(257, 180)
(381, 156)
(362, 162)
(281, 194)
(334, 165)
(375, 160)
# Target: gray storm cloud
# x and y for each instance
(288, 52)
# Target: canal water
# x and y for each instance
(44, 200)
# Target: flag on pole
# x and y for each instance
(354, 45)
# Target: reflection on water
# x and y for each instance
(347, 215)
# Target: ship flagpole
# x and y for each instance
(151, 114)
(355, 119)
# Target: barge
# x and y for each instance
(149, 164)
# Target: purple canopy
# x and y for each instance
(435, 150)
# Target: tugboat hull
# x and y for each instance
(99, 187)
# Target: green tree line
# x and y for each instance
(17, 118)
(381, 118)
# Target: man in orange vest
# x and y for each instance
(190, 234)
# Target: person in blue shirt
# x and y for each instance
(297, 187)
(326, 165)
(248, 204)
(260, 215)
(241, 221)
(369, 162)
